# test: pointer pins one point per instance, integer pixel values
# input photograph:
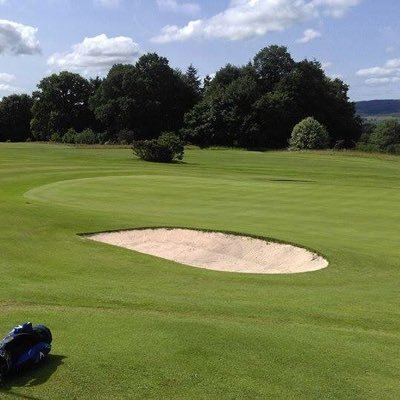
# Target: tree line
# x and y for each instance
(252, 106)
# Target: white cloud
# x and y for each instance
(179, 7)
(308, 35)
(107, 3)
(4, 77)
(382, 81)
(250, 18)
(96, 55)
(5, 87)
(16, 38)
(336, 8)
(391, 67)
(382, 75)
(6, 83)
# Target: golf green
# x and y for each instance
(132, 326)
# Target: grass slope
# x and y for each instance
(127, 325)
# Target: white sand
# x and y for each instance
(216, 251)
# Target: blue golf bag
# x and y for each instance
(25, 346)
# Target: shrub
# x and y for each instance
(69, 136)
(56, 138)
(125, 136)
(340, 144)
(166, 148)
(102, 137)
(362, 146)
(174, 143)
(393, 149)
(386, 135)
(86, 137)
(309, 134)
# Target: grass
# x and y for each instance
(127, 325)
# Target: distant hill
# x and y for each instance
(378, 108)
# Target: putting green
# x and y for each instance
(129, 325)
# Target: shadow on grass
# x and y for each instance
(32, 377)
(291, 180)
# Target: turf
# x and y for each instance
(127, 325)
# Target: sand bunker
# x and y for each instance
(216, 251)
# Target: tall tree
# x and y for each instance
(113, 103)
(272, 64)
(225, 115)
(15, 117)
(258, 105)
(147, 98)
(314, 94)
(206, 82)
(61, 103)
(192, 79)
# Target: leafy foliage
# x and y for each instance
(309, 134)
(61, 103)
(166, 148)
(125, 136)
(146, 98)
(257, 105)
(56, 138)
(252, 106)
(384, 136)
(87, 136)
(70, 136)
(15, 117)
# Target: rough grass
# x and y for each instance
(127, 325)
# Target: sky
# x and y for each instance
(355, 40)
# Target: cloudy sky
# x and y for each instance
(356, 40)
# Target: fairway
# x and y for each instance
(130, 325)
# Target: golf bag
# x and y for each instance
(23, 347)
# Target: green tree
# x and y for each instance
(15, 117)
(386, 136)
(274, 113)
(272, 64)
(258, 104)
(69, 136)
(113, 102)
(225, 115)
(309, 134)
(206, 82)
(146, 98)
(61, 103)
(192, 79)
(87, 136)
(313, 93)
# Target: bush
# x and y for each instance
(309, 134)
(386, 135)
(393, 149)
(69, 136)
(125, 136)
(174, 143)
(368, 147)
(86, 137)
(166, 148)
(340, 144)
(56, 138)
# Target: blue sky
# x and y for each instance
(356, 40)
